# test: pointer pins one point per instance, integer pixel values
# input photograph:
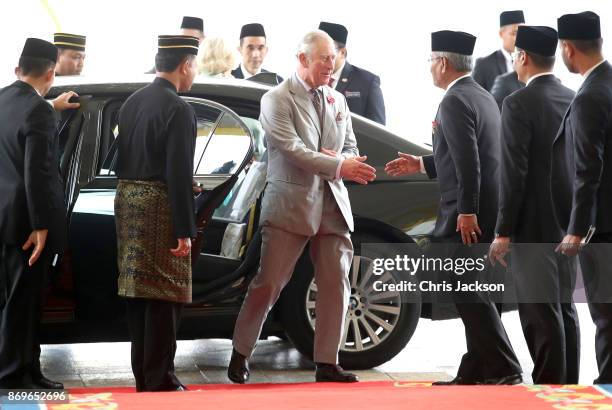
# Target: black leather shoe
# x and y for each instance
(510, 380)
(181, 388)
(457, 381)
(238, 370)
(334, 373)
(43, 383)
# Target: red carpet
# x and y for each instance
(364, 395)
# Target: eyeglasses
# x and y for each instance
(515, 54)
(431, 59)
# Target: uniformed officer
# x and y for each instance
(32, 211)
(192, 27)
(154, 211)
(360, 87)
(71, 57)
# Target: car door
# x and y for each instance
(223, 148)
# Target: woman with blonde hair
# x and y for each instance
(216, 58)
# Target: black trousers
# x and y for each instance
(153, 325)
(545, 282)
(596, 265)
(20, 310)
(489, 351)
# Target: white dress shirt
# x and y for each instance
(246, 73)
(590, 70)
(508, 58)
(538, 75)
(336, 76)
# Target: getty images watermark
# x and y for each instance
(533, 273)
(403, 265)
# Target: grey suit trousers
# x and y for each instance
(331, 251)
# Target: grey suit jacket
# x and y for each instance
(297, 171)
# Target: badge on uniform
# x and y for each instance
(352, 94)
(339, 117)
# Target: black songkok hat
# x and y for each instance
(194, 23)
(453, 42)
(511, 17)
(581, 26)
(70, 41)
(177, 44)
(252, 30)
(37, 48)
(539, 40)
(337, 32)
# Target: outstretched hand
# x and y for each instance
(355, 169)
(405, 164)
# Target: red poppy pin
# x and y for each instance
(330, 99)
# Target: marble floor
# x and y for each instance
(432, 354)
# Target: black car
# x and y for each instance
(82, 303)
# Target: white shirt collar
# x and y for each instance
(336, 75)
(245, 72)
(456, 80)
(508, 58)
(590, 70)
(304, 83)
(538, 75)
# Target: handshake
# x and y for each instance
(355, 168)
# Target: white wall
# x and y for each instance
(388, 37)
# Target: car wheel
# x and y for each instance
(378, 325)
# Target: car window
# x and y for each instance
(251, 181)
(225, 149)
(207, 119)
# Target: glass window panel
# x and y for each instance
(226, 149)
(207, 118)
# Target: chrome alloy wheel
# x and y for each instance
(371, 315)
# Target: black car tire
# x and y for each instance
(295, 319)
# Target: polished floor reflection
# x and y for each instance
(432, 354)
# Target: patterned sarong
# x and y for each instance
(147, 268)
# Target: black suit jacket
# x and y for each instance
(31, 192)
(504, 85)
(237, 73)
(582, 158)
(466, 158)
(530, 120)
(488, 68)
(362, 91)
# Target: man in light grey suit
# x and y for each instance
(311, 148)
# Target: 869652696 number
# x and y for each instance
(32, 396)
